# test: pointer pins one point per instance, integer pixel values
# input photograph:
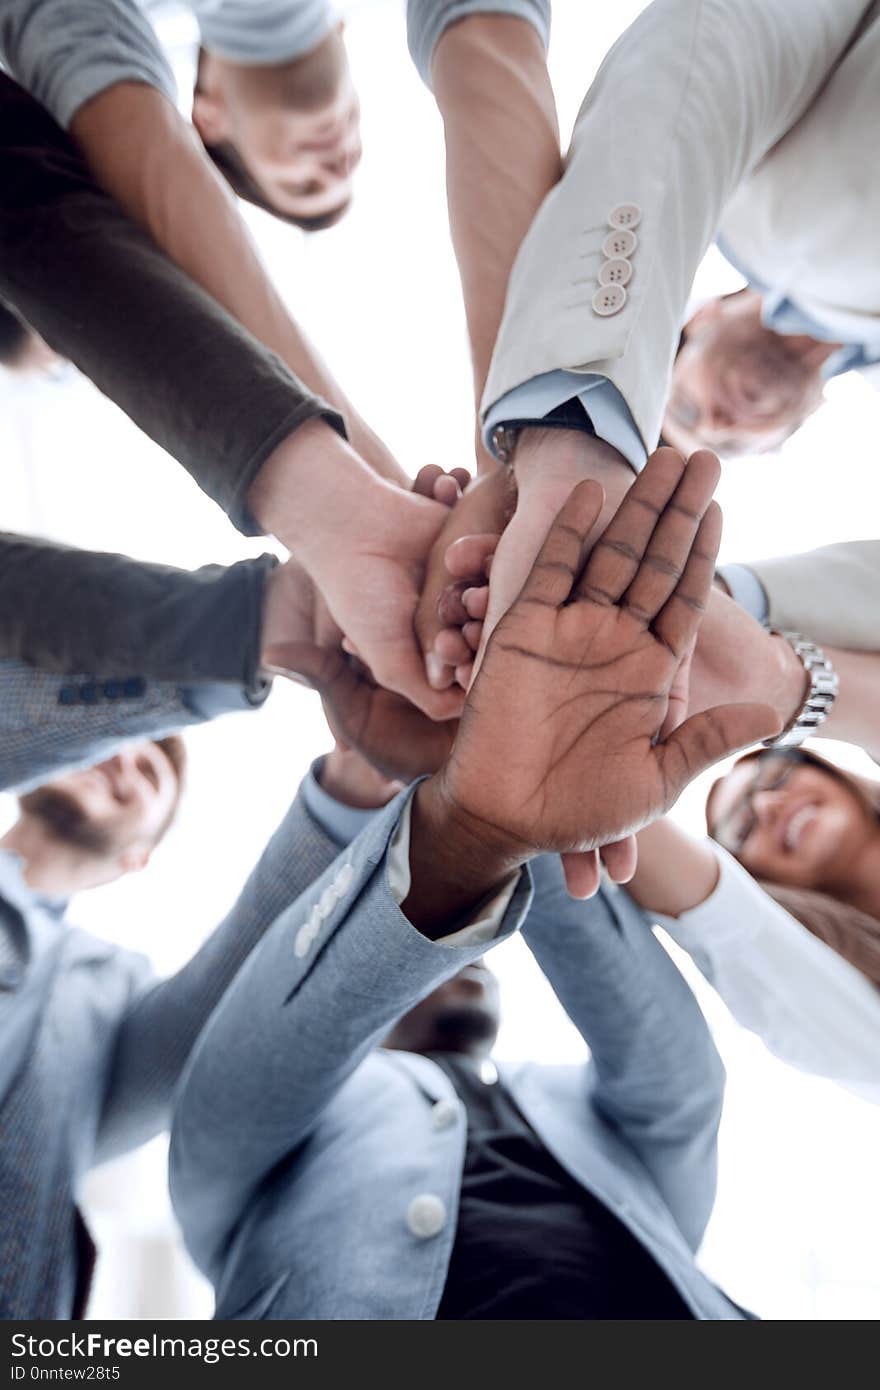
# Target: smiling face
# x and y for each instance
(789, 821)
(115, 811)
(462, 1016)
(738, 387)
(294, 128)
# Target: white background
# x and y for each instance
(796, 1227)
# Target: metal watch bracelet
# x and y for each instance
(820, 697)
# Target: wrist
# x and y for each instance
(788, 684)
(351, 780)
(309, 488)
(455, 859)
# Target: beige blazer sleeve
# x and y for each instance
(831, 595)
(684, 106)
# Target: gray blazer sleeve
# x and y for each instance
(66, 610)
(164, 1019)
(655, 1074)
(299, 1017)
(49, 722)
(831, 594)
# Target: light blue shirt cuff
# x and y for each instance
(609, 413)
(747, 590)
(342, 823)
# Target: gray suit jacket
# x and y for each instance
(92, 1045)
(298, 1147)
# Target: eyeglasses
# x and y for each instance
(772, 771)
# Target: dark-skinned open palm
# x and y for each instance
(559, 747)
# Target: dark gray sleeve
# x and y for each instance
(103, 295)
(64, 610)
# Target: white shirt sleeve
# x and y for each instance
(488, 920)
(64, 52)
(810, 1007)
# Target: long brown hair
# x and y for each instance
(852, 933)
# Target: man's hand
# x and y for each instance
(559, 747)
(484, 509)
(349, 778)
(364, 544)
(302, 642)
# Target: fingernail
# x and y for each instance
(438, 671)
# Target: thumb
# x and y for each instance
(707, 737)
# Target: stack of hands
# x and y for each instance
(461, 603)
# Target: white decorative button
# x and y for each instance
(426, 1215)
(328, 900)
(625, 215)
(616, 272)
(316, 917)
(342, 881)
(621, 243)
(444, 1113)
(608, 300)
(303, 943)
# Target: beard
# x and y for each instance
(65, 820)
(462, 1029)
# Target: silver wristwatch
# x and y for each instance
(819, 701)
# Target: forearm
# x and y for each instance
(172, 191)
(675, 872)
(455, 862)
(161, 1027)
(101, 293)
(853, 717)
(493, 90)
(737, 659)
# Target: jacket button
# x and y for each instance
(303, 941)
(328, 900)
(616, 272)
(426, 1215)
(342, 881)
(625, 215)
(444, 1113)
(608, 300)
(620, 244)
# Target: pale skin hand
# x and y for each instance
(301, 641)
(364, 543)
(548, 464)
(559, 746)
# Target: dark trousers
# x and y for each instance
(102, 294)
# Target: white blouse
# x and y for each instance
(810, 1007)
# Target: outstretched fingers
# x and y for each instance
(560, 559)
(619, 551)
(672, 543)
(678, 620)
